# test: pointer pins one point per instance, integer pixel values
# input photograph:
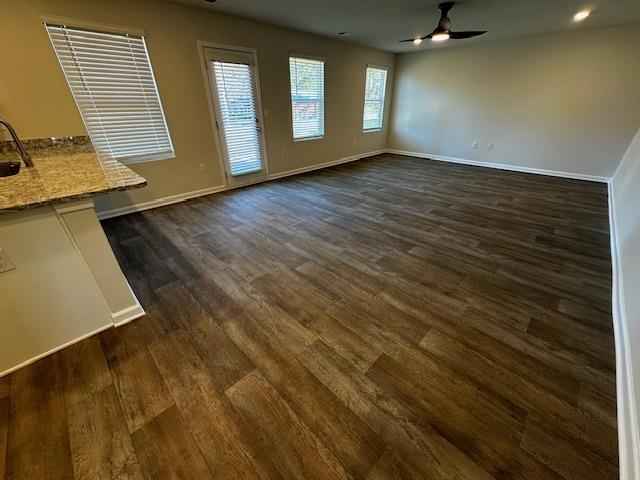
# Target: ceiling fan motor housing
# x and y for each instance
(444, 25)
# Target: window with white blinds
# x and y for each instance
(307, 97)
(112, 82)
(237, 103)
(375, 84)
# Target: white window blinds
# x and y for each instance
(112, 82)
(376, 81)
(307, 97)
(234, 84)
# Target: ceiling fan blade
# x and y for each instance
(460, 35)
(412, 39)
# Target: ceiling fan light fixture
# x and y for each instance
(440, 37)
(443, 30)
(581, 15)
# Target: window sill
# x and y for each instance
(306, 139)
(147, 158)
(372, 130)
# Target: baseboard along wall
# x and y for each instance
(181, 197)
(501, 166)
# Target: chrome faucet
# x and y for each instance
(26, 158)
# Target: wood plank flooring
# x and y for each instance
(390, 318)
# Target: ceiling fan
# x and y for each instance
(443, 30)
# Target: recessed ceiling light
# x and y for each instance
(581, 15)
(417, 41)
(440, 37)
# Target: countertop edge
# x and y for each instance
(71, 198)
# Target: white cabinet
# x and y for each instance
(66, 285)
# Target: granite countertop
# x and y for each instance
(64, 169)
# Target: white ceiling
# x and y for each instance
(381, 23)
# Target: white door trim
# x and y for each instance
(202, 45)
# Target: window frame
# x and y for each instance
(318, 59)
(384, 97)
(112, 29)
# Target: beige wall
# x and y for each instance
(625, 189)
(34, 95)
(566, 102)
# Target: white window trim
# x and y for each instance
(308, 139)
(123, 30)
(324, 83)
(384, 102)
(88, 24)
(379, 67)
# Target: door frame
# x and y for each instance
(202, 45)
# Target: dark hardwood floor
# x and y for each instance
(389, 318)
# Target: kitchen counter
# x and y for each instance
(64, 170)
(60, 281)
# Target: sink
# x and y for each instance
(9, 168)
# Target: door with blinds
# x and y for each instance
(237, 114)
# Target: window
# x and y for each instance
(307, 97)
(111, 80)
(375, 84)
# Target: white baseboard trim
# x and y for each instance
(628, 427)
(159, 202)
(127, 315)
(318, 166)
(501, 166)
(54, 350)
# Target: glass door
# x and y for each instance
(238, 114)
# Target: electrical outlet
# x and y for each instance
(282, 155)
(203, 167)
(474, 145)
(489, 146)
(6, 265)
(355, 140)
